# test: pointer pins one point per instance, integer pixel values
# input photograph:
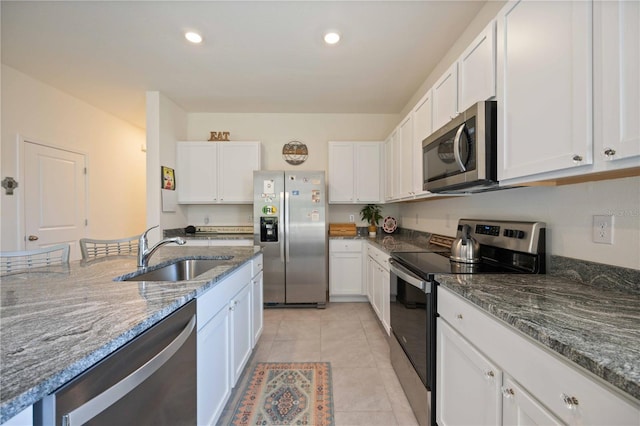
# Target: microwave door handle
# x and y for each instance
(456, 148)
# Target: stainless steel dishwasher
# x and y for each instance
(149, 381)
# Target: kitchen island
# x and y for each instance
(57, 322)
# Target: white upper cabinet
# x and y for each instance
(355, 172)
(445, 97)
(216, 172)
(617, 88)
(407, 155)
(544, 81)
(477, 69)
(422, 127)
(390, 180)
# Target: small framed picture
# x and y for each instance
(168, 178)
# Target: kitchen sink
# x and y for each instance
(180, 270)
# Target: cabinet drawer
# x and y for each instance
(345, 245)
(215, 298)
(379, 256)
(548, 377)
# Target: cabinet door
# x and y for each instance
(544, 87)
(407, 155)
(422, 126)
(519, 408)
(385, 303)
(377, 290)
(445, 97)
(468, 385)
(477, 69)
(341, 172)
(389, 167)
(371, 276)
(241, 330)
(258, 306)
(196, 174)
(619, 64)
(368, 172)
(236, 163)
(345, 274)
(213, 364)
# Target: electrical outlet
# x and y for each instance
(352, 218)
(206, 220)
(603, 229)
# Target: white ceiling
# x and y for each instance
(257, 56)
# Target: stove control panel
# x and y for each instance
(526, 237)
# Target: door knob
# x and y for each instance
(33, 237)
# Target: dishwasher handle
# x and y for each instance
(98, 404)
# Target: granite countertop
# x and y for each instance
(595, 328)
(56, 322)
(593, 324)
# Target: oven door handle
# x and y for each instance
(407, 276)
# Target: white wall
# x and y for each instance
(116, 163)
(166, 124)
(274, 130)
(567, 210)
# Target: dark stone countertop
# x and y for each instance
(57, 322)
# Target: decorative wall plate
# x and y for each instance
(389, 224)
(295, 152)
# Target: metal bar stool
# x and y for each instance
(14, 261)
(92, 249)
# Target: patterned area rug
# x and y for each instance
(289, 393)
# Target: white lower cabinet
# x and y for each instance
(378, 283)
(214, 358)
(346, 271)
(489, 373)
(468, 384)
(23, 418)
(241, 330)
(257, 299)
(521, 409)
(225, 340)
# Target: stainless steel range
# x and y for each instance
(480, 247)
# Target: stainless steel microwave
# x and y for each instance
(461, 156)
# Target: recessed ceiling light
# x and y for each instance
(193, 37)
(331, 37)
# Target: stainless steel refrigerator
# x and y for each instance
(289, 211)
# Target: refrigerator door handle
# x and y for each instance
(281, 230)
(286, 225)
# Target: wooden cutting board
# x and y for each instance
(342, 230)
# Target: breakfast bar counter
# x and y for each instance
(56, 322)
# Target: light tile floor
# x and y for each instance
(366, 390)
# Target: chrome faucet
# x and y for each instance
(145, 253)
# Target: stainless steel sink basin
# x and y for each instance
(181, 270)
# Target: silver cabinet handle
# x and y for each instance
(33, 238)
(577, 158)
(571, 402)
(98, 404)
(489, 374)
(609, 152)
(508, 392)
(459, 316)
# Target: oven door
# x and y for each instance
(413, 320)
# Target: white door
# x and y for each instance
(54, 197)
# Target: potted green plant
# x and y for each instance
(371, 214)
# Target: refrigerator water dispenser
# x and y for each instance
(268, 229)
